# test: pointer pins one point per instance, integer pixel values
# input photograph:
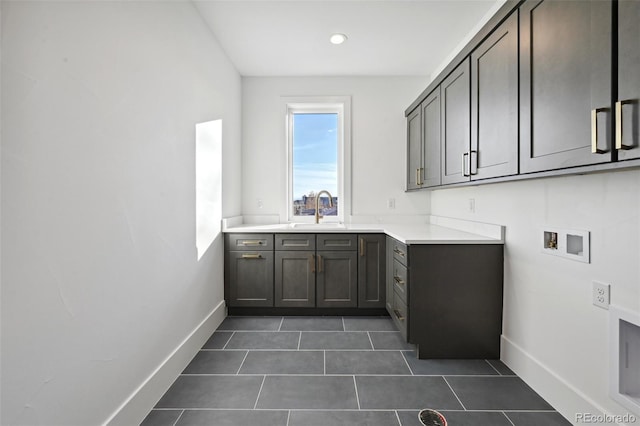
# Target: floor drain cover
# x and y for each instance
(431, 418)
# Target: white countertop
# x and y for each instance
(426, 233)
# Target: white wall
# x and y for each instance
(100, 280)
(547, 305)
(378, 141)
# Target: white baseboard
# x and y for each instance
(564, 397)
(144, 398)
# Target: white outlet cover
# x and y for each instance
(601, 294)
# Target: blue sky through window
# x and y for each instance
(315, 153)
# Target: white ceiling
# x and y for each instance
(386, 37)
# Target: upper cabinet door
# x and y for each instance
(431, 139)
(494, 103)
(628, 105)
(456, 111)
(565, 84)
(414, 149)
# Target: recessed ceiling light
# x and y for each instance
(338, 38)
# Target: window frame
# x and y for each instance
(310, 105)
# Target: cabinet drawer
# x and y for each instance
(400, 280)
(400, 252)
(295, 242)
(249, 241)
(336, 242)
(400, 315)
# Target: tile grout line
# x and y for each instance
(242, 363)
(324, 360)
(178, 419)
(280, 326)
(499, 373)
(231, 337)
(508, 418)
(454, 393)
(371, 341)
(406, 362)
(260, 391)
(398, 418)
(355, 385)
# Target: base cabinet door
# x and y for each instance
(295, 279)
(371, 271)
(628, 104)
(250, 278)
(337, 279)
(389, 276)
(565, 84)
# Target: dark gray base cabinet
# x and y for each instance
(337, 279)
(371, 270)
(295, 279)
(251, 273)
(305, 271)
(447, 299)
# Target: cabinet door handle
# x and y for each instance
(594, 131)
(398, 315)
(464, 164)
(619, 144)
(398, 280)
(362, 249)
(418, 177)
(312, 261)
(251, 256)
(474, 162)
(320, 264)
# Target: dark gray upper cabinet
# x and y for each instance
(565, 84)
(337, 279)
(371, 270)
(414, 149)
(456, 114)
(430, 175)
(295, 278)
(249, 278)
(628, 102)
(494, 104)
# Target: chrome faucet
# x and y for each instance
(318, 216)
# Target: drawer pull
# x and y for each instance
(398, 315)
(251, 256)
(362, 247)
(398, 280)
(398, 252)
(251, 243)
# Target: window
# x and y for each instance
(316, 136)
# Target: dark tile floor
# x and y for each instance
(326, 371)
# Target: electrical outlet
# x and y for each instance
(391, 203)
(472, 205)
(601, 294)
